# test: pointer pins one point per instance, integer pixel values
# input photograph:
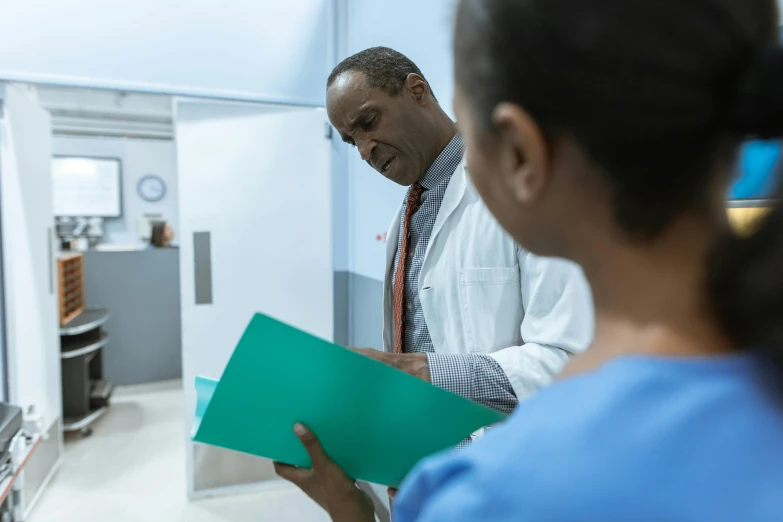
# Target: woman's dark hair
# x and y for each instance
(660, 94)
(158, 234)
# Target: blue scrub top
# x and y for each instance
(641, 439)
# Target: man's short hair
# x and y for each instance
(385, 69)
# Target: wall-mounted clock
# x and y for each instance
(151, 188)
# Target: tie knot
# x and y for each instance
(415, 193)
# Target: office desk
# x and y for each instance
(141, 290)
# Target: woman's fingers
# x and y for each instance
(313, 447)
(320, 460)
(297, 476)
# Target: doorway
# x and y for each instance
(248, 193)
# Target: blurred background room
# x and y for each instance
(166, 170)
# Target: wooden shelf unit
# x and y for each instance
(70, 271)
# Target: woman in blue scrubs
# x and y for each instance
(606, 132)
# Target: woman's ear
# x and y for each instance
(525, 155)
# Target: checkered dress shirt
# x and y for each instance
(477, 377)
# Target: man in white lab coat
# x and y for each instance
(465, 308)
(479, 315)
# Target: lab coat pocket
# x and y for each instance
(491, 306)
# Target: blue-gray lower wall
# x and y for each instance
(341, 315)
(140, 289)
(358, 310)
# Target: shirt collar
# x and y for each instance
(445, 164)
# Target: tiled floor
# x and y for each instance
(132, 469)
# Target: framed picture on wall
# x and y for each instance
(759, 171)
(87, 187)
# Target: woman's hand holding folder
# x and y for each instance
(326, 483)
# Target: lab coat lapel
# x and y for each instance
(451, 199)
(392, 238)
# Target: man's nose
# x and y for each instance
(366, 147)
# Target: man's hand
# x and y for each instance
(327, 484)
(413, 363)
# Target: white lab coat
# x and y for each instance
(481, 293)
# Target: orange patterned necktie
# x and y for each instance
(414, 201)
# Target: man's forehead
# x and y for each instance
(350, 92)
(350, 81)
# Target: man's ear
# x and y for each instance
(526, 157)
(418, 87)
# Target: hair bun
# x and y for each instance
(759, 103)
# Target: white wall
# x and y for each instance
(264, 50)
(422, 31)
(139, 158)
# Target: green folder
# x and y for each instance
(375, 421)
